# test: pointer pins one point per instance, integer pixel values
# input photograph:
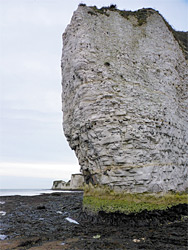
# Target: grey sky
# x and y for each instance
(33, 149)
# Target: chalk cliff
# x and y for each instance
(125, 99)
(76, 182)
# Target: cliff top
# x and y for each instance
(142, 15)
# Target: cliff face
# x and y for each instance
(125, 99)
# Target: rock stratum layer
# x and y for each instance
(125, 99)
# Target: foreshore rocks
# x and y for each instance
(125, 99)
(41, 222)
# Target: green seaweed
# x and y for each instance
(103, 199)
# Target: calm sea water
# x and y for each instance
(27, 192)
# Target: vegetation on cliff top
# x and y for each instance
(142, 15)
(104, 199)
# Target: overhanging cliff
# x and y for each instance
(125, 99)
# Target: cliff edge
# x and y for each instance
(125, 99)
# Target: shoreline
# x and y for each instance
(49, 221)
(30, 192)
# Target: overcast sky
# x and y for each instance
(33, 149)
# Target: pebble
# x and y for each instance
(71, 220)
(2, 213)
(3, 237)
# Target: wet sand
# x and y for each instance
(50, 221)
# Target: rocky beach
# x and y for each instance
(57, 221)
(125, 115)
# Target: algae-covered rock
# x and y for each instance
(97, 199)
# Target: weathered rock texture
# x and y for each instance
(125, 99)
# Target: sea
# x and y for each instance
(28, 192)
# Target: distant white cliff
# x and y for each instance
(76, 183)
